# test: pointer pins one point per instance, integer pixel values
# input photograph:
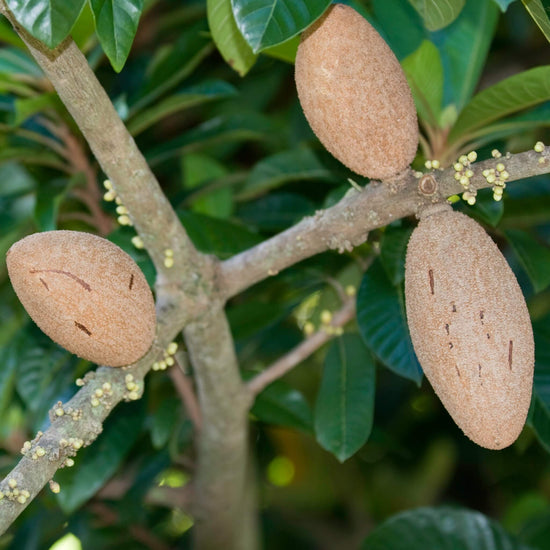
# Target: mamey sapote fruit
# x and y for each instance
(470, 326)
(86, 294)
(355, 95)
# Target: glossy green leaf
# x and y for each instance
(503, 4)
(50, 21)
(539, 413)
(9, 36)
(227, 37)
(14, 61)
(296, 165)
(9, 359)
(282, 405)
(163, 421)
(215, 236)
(276, 211)
(28, 107)
(227, 128)
(251, 317)
(383, 324)
(116, 23)
(173, 65)
(533, 256)
(199, 170)
(509, 96)
(424, 73)
(438, 13)
(15, 179)
(463, 47)
(286, 51)
(393, 248)
(539, 12)
(265, 23)
(190, 97)
(443, 528)
(30, 155)
(344, 408)
(94, 465)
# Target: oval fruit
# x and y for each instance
(355, 95)
(469, 326)
(86, 294)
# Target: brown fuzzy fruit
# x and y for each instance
(86, 294)
(355, 95)
(470, 326)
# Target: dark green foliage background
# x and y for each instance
(376, 460)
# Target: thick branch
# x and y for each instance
(347, 224)
(221, 476)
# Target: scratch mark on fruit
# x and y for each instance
(131, 281)
(454, 307)
(479, 372)
(488, 336)
(510, 350)
(447, 328)
(481, 315)
(81, 282)
(44, 283)
(431, 275)
(82, 328)
(457, 370)
(451, 345)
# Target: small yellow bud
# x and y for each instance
(496, 154)
(458, 166)
(77, 444)
(162, 366)
(69, 462)
(133, 395)
(169, 253)
(25, 493)
(121, 210)
(137, 241)
(504, 175)
(40, 451)
(464, 181)
(463, 159)
(169, 361)
(106, 386)
(94, 401)
(436, 164)
(155, 366)
(500, 167)
(458, 175)
(472, 156)
(108, 185)
(350, 290)
(79, 382)
(59, 411)
(491, 178)
(497, 197)
(129, 378)
(486, 173)
(542, 160)
(168, 262)
(309, 328)
(54, 486)
(109, 196)
(99, 392)
(539, 147)
(172, 348)
(428, 164)
(124, 220)
(12, 483)
(21, 499)
(130, 386)
(469, 174)
(326, 317)
(471, 200)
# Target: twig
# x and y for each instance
(295, 356)
(182, 383)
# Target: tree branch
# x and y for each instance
(303, 350)
(347, 223)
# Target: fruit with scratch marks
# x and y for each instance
(470, 326)
(86, 294)
(355, 95)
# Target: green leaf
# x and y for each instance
(94, 465)
(533, 256)
(438, 13)
(383, 324)
(215, 236)
(190, 97)
(163, 422)
(344, 408)
(276, 211)
(15, 179)
(197, 171)
(48, 200)
(286, 51)
(539, 413)
(464, 46)
(265, 23)
(14, 61)
(9, 359)
(236, 126)
(31, 155)
(503, 4)
(281, 405)
(509, 96)
(424, 73)
(295, 165)
(50, 21)
(539, 13)
(250, 317)
(9, 36)
(229, 41)
(173, 65)
(116, 23)
(393, 248)
(443, 528)
(26, 108)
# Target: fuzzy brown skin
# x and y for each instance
(86, 294)
(355, 95)
(470, 326)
